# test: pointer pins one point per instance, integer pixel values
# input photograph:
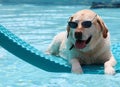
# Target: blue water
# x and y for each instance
(37, 25)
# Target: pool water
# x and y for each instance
(37, 25)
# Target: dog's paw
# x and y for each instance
(77, 70)
(76, 67)
(109, 71)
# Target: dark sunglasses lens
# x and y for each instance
(72, 24)
(86, 24)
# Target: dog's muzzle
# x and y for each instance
(78, 35)
(80, 44)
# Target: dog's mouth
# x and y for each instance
(80, 44)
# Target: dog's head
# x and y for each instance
(85, 28)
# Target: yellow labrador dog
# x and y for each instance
(86, 41)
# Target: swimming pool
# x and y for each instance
(37, 25)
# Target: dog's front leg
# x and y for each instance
(76, 67)
(109, 66)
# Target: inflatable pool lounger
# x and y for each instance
(28, 53)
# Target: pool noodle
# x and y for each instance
(28, 53)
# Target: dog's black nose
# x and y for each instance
(78, 35)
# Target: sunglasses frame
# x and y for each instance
(85, 24)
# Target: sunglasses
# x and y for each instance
(85, 24)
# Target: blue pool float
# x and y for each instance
(28, 53)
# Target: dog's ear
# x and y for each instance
(103, 27)
(68, 28)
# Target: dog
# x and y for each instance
(85, 41)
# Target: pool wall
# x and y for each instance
(53, 2)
